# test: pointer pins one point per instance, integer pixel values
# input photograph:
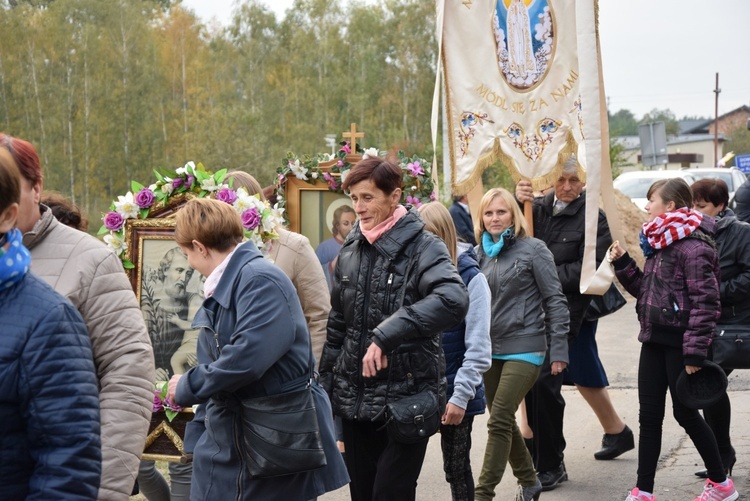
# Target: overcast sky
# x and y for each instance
(656, 53)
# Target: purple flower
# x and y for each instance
(226, 195)
(158, 405)
(251, 218)
(177, 182)
(346, 148)
(190, 181)
(331, 180)
(414, 201)
(415, 169)
(171, 405)
(340, 163)
(114, 221)
(433, 196)
(145, 198)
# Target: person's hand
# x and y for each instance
(162, 374)
(524, 193)
(453, 415)
(692, 369)
(373, 361)
(558, 367)
(172, 387)
(616, 252)
(191, 359)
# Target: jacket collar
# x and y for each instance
(40, 230)
(395, 239)
(570, 209)
(221, 297)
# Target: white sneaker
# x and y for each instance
(636, 495)
(716, 492)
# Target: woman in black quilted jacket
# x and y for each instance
(711, 197)
(395, 291)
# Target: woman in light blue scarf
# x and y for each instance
(524, 284)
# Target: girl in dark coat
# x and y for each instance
(253, 341)
(678, 305)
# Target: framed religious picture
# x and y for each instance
(311, 209)
(169, 292)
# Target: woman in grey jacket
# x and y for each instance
(524, 283)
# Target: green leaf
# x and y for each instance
(144, 213)
(127, 264)
(136, 186)
(102, 230)
(219, 176)
(159, 176)
(170, 414)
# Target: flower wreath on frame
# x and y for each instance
(259, 219)
(415, 173)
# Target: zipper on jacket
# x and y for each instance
(363, 333)
(238, 448)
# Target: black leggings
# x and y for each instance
(658, 369)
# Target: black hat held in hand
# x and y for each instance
(703, 388)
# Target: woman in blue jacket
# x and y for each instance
(50, 445)
(253, 341)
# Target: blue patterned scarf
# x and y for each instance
(492, 248)
(648, 251)
(14, 260)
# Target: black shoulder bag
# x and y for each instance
(280, 434)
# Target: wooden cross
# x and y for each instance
(352, 135)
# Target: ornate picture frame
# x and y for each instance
(165, 287)
(310, 209)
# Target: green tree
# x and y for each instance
(666, 116)
(623, 123)
(739, 142)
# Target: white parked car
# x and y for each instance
(730, 175)
(635, 184)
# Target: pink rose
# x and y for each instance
(226, 195)
(346, 148)
(113, 221)
(145, 198)
(251, 218)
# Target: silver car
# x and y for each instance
(635, 184)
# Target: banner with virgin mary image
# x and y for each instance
(523, 83)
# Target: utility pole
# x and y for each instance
(717, 90)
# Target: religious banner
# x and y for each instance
(523, 84)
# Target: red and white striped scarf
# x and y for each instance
(671, 227)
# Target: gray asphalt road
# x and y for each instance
(607, 480)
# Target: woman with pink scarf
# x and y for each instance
(395, 291)
(678, 305)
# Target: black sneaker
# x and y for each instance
(553, 478)
(615, 445)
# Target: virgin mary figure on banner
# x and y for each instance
(523, 84)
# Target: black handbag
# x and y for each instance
(603, 305)
(280, 434)
(413, 418)
(731, 347)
